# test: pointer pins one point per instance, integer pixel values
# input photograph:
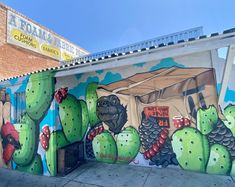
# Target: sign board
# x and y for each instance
(26, 34)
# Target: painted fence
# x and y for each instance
(159, 114)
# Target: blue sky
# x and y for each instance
(97, 25)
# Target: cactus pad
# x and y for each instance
(39, 94)
(56, 138)
(229, 113)
(206, 119)
(128, 145)
(28, 138)
(232, 172)
(105, 148)
(35, 167)
(219, 161)
(91, 99)
(191, 149)
(85, 117)
(71, 118)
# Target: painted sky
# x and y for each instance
(105, 24)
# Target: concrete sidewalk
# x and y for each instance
(98, 174)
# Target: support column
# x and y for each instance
(227, 72)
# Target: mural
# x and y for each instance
(158, 114)
(9, 136)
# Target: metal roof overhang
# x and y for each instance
(193, 45)
(146, 55)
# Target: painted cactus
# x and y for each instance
(206, 119)
(232, 172)
(219, 161)
(35, 167)
(191, 149)
(91, 100)
(105, 148)
(56, 138)
(128, 145)
(39, 94)
(229, 113)
(85, 118)
(28, 138)
(70, 112)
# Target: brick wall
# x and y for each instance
(15, 60)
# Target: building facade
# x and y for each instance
(22, 50)
(167, 105)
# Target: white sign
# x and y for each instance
(26, 34)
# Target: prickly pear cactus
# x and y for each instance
(191, 149)
(39, 94)
(232, 172)
(61, 140)
(85, 118)
(35, 167)
(28, 138)
(105, 148)
(223, 136)
(219, 161)
(56, 138)
(206, 119)
(229, 113)
(71, 118)
(128, 145)
(91, 100)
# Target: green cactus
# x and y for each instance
(56, 138)
(61, 140)
(71, 118)
(128, 145)
(229, 113)
(191, 149)
(219, 161)
(105, 148)
(85, 118)
(35, 167)
(28, 138)
(206, 119)
(91, 100)
(39, 94)
(232, 172)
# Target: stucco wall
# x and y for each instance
(158, 114)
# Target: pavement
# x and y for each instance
(93, 174)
